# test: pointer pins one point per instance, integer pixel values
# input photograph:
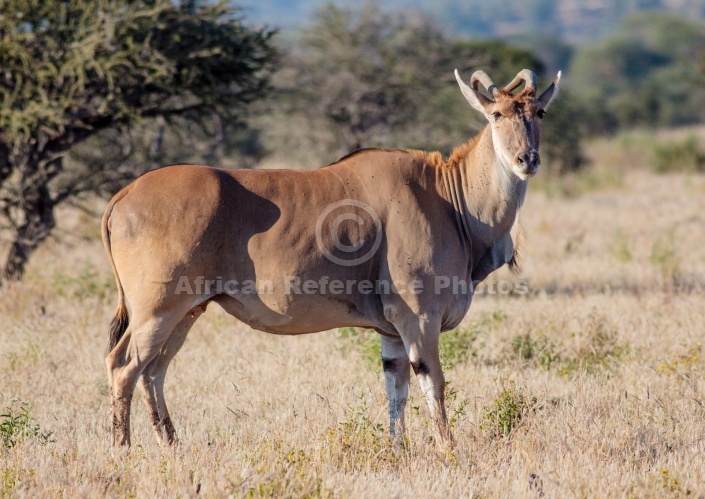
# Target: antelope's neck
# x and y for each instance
(485, 193)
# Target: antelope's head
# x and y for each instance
(515, 119)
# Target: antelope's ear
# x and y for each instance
(552, 90)
(474, 98)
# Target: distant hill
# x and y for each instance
(572, 20)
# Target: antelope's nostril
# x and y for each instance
(527, 161)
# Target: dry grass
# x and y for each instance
(591, 385)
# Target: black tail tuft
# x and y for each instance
(118, 327)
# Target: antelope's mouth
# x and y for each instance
(531, 170)
(524, 171)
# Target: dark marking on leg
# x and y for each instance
(419, 367)
(389, 365)
(154, 417)
(169, 429)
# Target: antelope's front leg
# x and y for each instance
(395, 363)
(426, 363)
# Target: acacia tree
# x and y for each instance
(364, 71)
(70, 69)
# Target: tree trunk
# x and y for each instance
(37, 209)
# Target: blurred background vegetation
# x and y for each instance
(93, 93)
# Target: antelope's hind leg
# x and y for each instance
(153, 376)
(141, 343)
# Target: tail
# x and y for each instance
(119, 324)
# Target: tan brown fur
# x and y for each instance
(189, 225)
(435, 158)
(515, 264)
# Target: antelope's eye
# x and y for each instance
(497, 115)
(541, 113)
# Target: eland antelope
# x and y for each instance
(371, 241)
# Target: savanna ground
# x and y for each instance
(592, 384)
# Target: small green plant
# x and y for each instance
(16, 425)
(507, 411)
(684, 156)
(456, 408)
(358, 428)
(358, 442)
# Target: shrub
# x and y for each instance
(684, 156)
(507, 411)
(17, 425)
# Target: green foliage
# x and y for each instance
(456, 408)
(507, 411)
(355, 75)
(363, 77)
(73, 69)
(69, 66)
(359, 429)
(684, 156)
(16, 425)
(553, 51)
(644, 75)
(561, 135)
